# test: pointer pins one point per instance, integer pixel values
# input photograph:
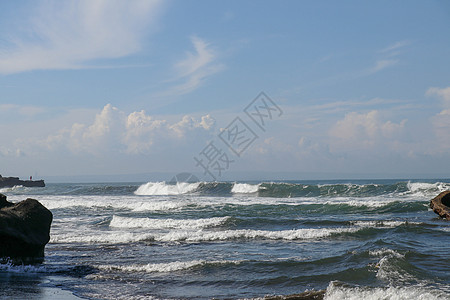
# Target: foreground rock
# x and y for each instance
(441, 205)
(24, 229)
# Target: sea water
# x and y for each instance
(240, 240)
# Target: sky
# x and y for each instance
(351, 89)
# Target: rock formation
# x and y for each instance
(13, 181)
(24, 229)
(441, 205)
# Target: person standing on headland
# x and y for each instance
(31, 178)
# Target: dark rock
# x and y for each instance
(441, 205)
(24, 229)
(4, 202)
(13, 181)
(309, 295)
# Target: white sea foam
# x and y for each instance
(12, 268)
(169, 203)
(163, 188)
(337, 292)
(359, 202)
(384, 224)
(151, 268)
(245, 188)
(295, 234)
(11, 189)
(125, 222)
(162, 267)
(178, 235)
(388, 269)
(127, 229)
(104, 237)
(427, 189)
(385, 252)
(133, 203)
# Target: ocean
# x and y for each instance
(355, 239)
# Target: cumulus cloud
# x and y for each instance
(71, 34)
(114, 131)
(140, 131)
(441, 121)
(364, 130)
(443, 94)
(189, 123)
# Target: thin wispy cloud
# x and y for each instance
(383, 64)
(389, 56)
(395, 46)
(72, 34)
(195, 68)
(23, 110)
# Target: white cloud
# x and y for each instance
(443, 94)
(23, 110)
(388, 56)
(113, 131)
(441, 121)
(364, 130)
(71, 34)
(195, 67)
(140, 131)
(189, 123)
(383, 64)
(9, 152)
(395, 46)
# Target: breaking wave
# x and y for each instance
(124, 222)
(290, 190)
(162, 188)
(162, 267)
(336, 291)
(245, 188)
(193, 231)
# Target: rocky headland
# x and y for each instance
(15, 181)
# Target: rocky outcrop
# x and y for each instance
(441, 205)
(14, 181)
(24, 229)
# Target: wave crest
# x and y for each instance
(125, 222)
(245, 188)
(162, 188)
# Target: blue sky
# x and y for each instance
(128, 87)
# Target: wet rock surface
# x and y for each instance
(24, 229)
(441, 205)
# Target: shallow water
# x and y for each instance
(356, 239)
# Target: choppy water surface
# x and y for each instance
(357, 240)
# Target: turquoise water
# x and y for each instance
(354, 239)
